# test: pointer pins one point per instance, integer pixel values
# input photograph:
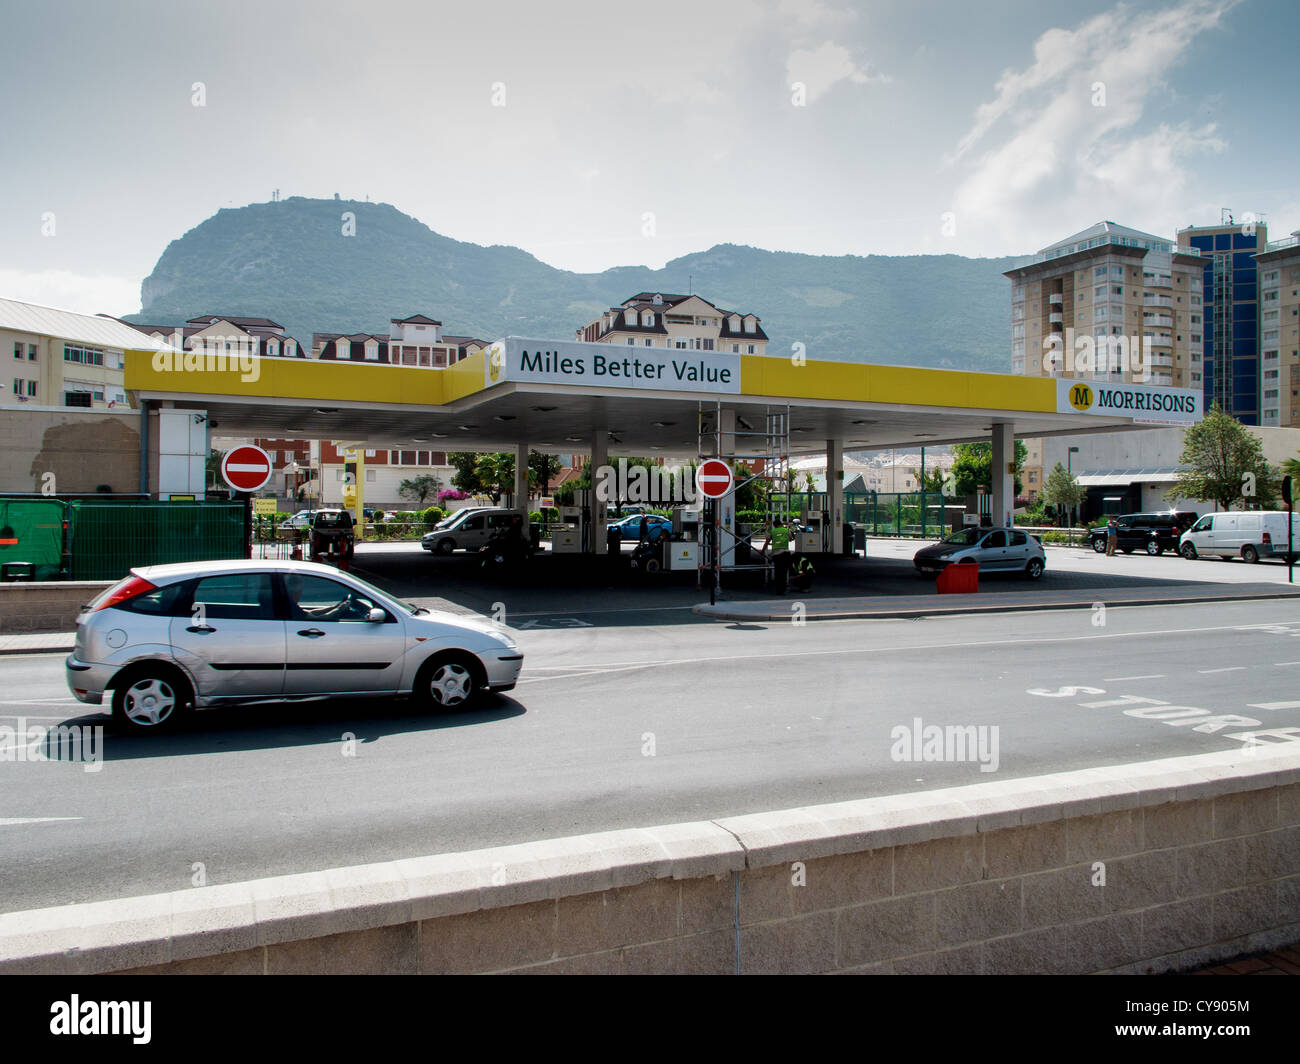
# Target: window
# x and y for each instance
(735, 349)
(31, 353)
(680, 345)
(708, 345)
(648, 341)
(18, 386)
(318, 598)
(631, 340)
(235, 596)
(18, 349)
(751, 349)
(87, 356)
(76, 399)
(31, 390)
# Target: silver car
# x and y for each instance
(996, 550)
(171, 638)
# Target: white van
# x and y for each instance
(468, 529)
(1246, 534)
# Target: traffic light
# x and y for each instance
(1286, 490)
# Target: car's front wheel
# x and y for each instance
(151, 698)
(1154, 548)
(446, 546)
(1034, 569)
(451, 681)
(1188, 551)
(1099, 545)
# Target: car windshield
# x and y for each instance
(966, 537)
(338, 519)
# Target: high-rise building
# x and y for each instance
(1231, 335)
(1109, 303)
(1279, 322)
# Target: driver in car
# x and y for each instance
(349, 608)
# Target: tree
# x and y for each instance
(1062, 489)
(496, 474)
(972, 466)
(419, 488)
(1291, 468)
(466, 477)
(1224, 464)
(541, 467)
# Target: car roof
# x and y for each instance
(183, 570)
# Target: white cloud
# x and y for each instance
(824, 66)
(72, 291)
(1042, 156)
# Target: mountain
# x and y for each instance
(290, 261)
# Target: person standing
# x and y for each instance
(1112, 536)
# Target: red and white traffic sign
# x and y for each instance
(246, 468)
(714, 478)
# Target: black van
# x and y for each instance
(1153, 533)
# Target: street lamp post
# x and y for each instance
(1070, 452)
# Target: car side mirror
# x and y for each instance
(376, 616)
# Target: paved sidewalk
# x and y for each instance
(870, 606)
(37, 642)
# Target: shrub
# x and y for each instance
(431, 515)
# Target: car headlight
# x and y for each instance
(504, 638)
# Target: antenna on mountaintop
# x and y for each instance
(691, 283)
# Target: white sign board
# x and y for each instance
(610, 366)
(1145, 404)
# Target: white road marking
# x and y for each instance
(5, 822)
(1230, 668)
(1274, 705)
(1283, 664)
(1148, 676)
(960, 645)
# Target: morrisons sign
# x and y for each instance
(1144, 405)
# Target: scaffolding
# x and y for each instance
(757, 448)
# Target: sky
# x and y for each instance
(598, 134)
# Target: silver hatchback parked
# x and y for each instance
(170, 638)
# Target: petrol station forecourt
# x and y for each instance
(526, 394)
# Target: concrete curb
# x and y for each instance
(883, 607)
(50, 645)
(162, 928)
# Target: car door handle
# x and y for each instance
(200, 629)
(311, 633)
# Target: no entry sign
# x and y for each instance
(714, 478)
(246, 468)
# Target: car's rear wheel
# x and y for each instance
(651, 565)
(1249, 554)
(1034, 569)
(1188, 551)
(449, 682)
(1154, 548)
(446, 546)
(151, 698)
(1099, 545)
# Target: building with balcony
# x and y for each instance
(414, 341)
(684, 323)
(1109, 303)
(218, 334)
(1231, 338)
(1279, 323)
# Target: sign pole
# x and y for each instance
(248, 523)
(1288, 494)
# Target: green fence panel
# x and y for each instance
(107, 539)
(31, 531)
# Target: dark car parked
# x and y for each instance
(1153, 533)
